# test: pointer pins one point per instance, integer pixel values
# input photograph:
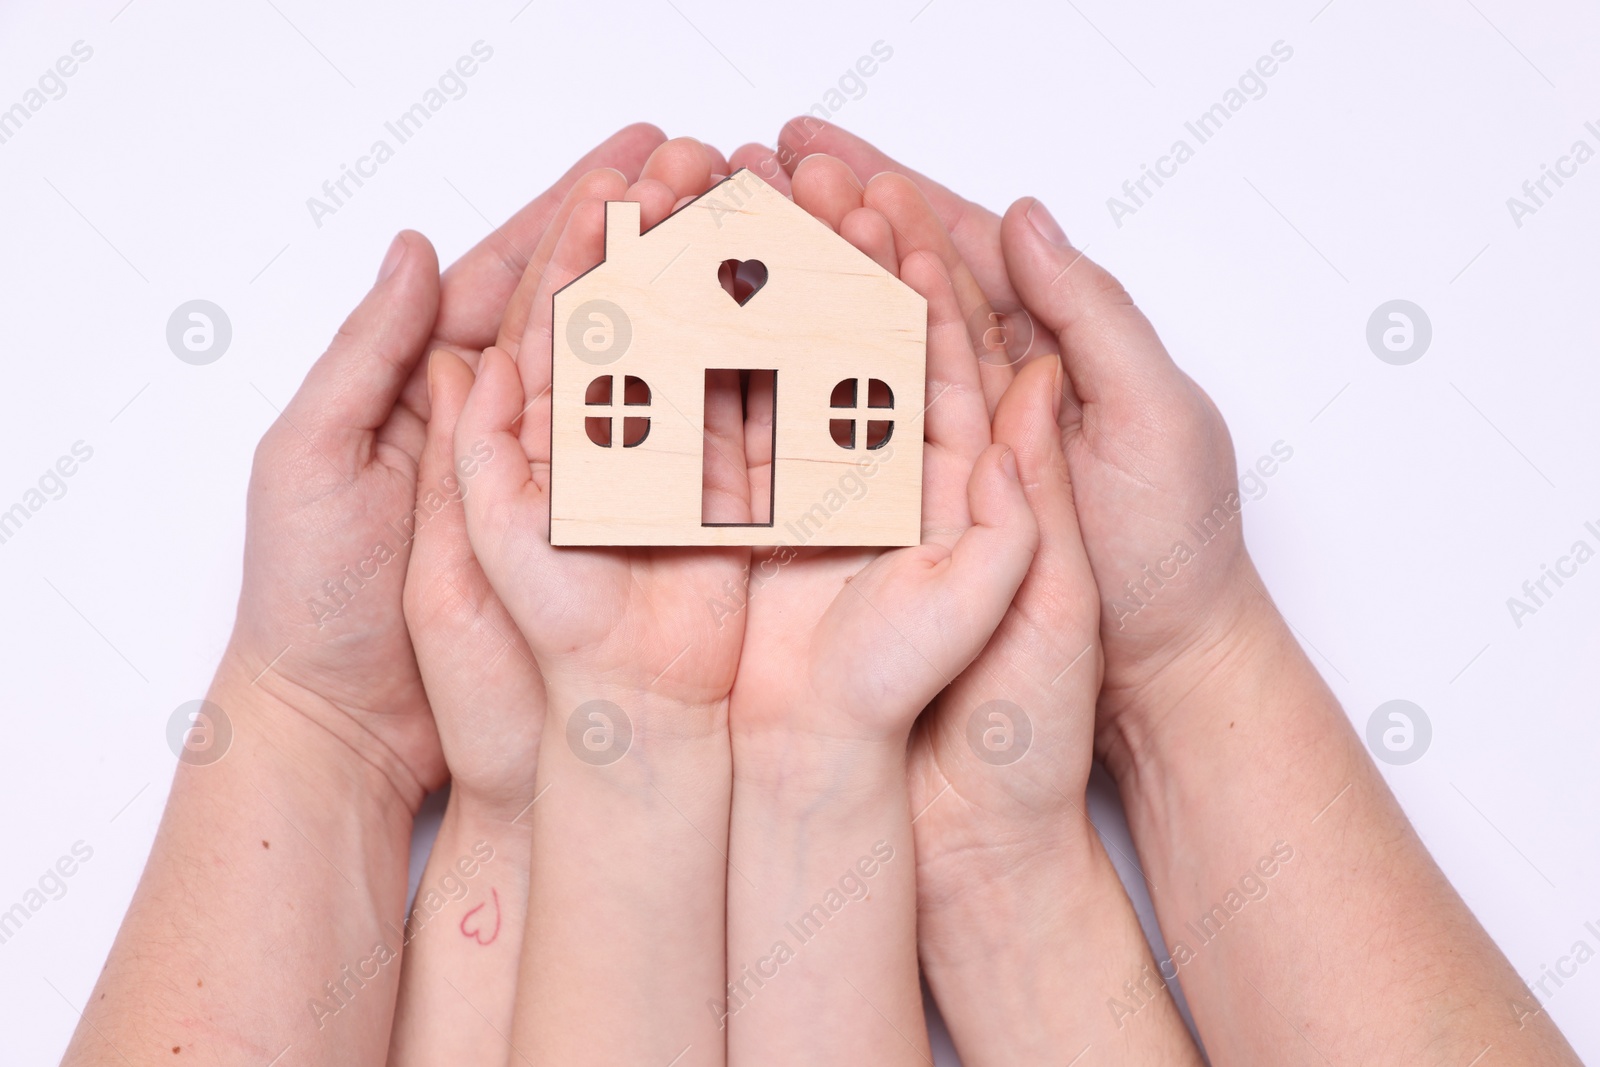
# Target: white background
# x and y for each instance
(1377, 166)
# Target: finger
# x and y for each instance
(581, 246)
(725, 485)
(683, 164)
(758, 443)
(1111, 352)
(1026, 421)
(596, 185)
(476, 288)
(352, 389)
(449, 382)
(990, 560)
(1049, 628)
(484, 440)
(955, 420)
(719, 162)
(763, 162)
(869, 231)
(827, 188)
(1055, 613)
(974, 228)
(656, 200)
(917, 228)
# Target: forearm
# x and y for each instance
(458, 980)
(822, 925)
(1304, 916)
(266, 920)
(1035, 955)
(626, 922)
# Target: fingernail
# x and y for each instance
(1046, 225)
(391, 261)
(1008, 463)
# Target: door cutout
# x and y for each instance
(739, 437)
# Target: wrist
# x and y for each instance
(1021, 881)
(1027, 965)
(473, 852)
(322, 738)
(621, 745)
(799, 767)
(471, 816)
(1255, 701)
(292, 740)
(1150, 713)
(593, 712)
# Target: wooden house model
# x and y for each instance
(844, 343)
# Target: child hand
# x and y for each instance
(458, 985)
(480, 674)
(857, 641)
(627, 879)
(608, 620)
(843, 648)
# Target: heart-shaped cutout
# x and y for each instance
(742, 278)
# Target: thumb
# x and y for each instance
(1111, 351)
(992, 557)
(352, 389)
(1026, 420)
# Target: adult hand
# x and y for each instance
(334, 744)
(1222, 736)
(320, 625)
(1148, 452)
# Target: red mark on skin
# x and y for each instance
(476, 932)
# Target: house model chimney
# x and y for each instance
(622, 225)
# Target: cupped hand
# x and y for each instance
(846, 645)
(320, 628)
(1150, 457)
(1000, 761)
(487, 694)
(1153, 476)
(598, 621)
